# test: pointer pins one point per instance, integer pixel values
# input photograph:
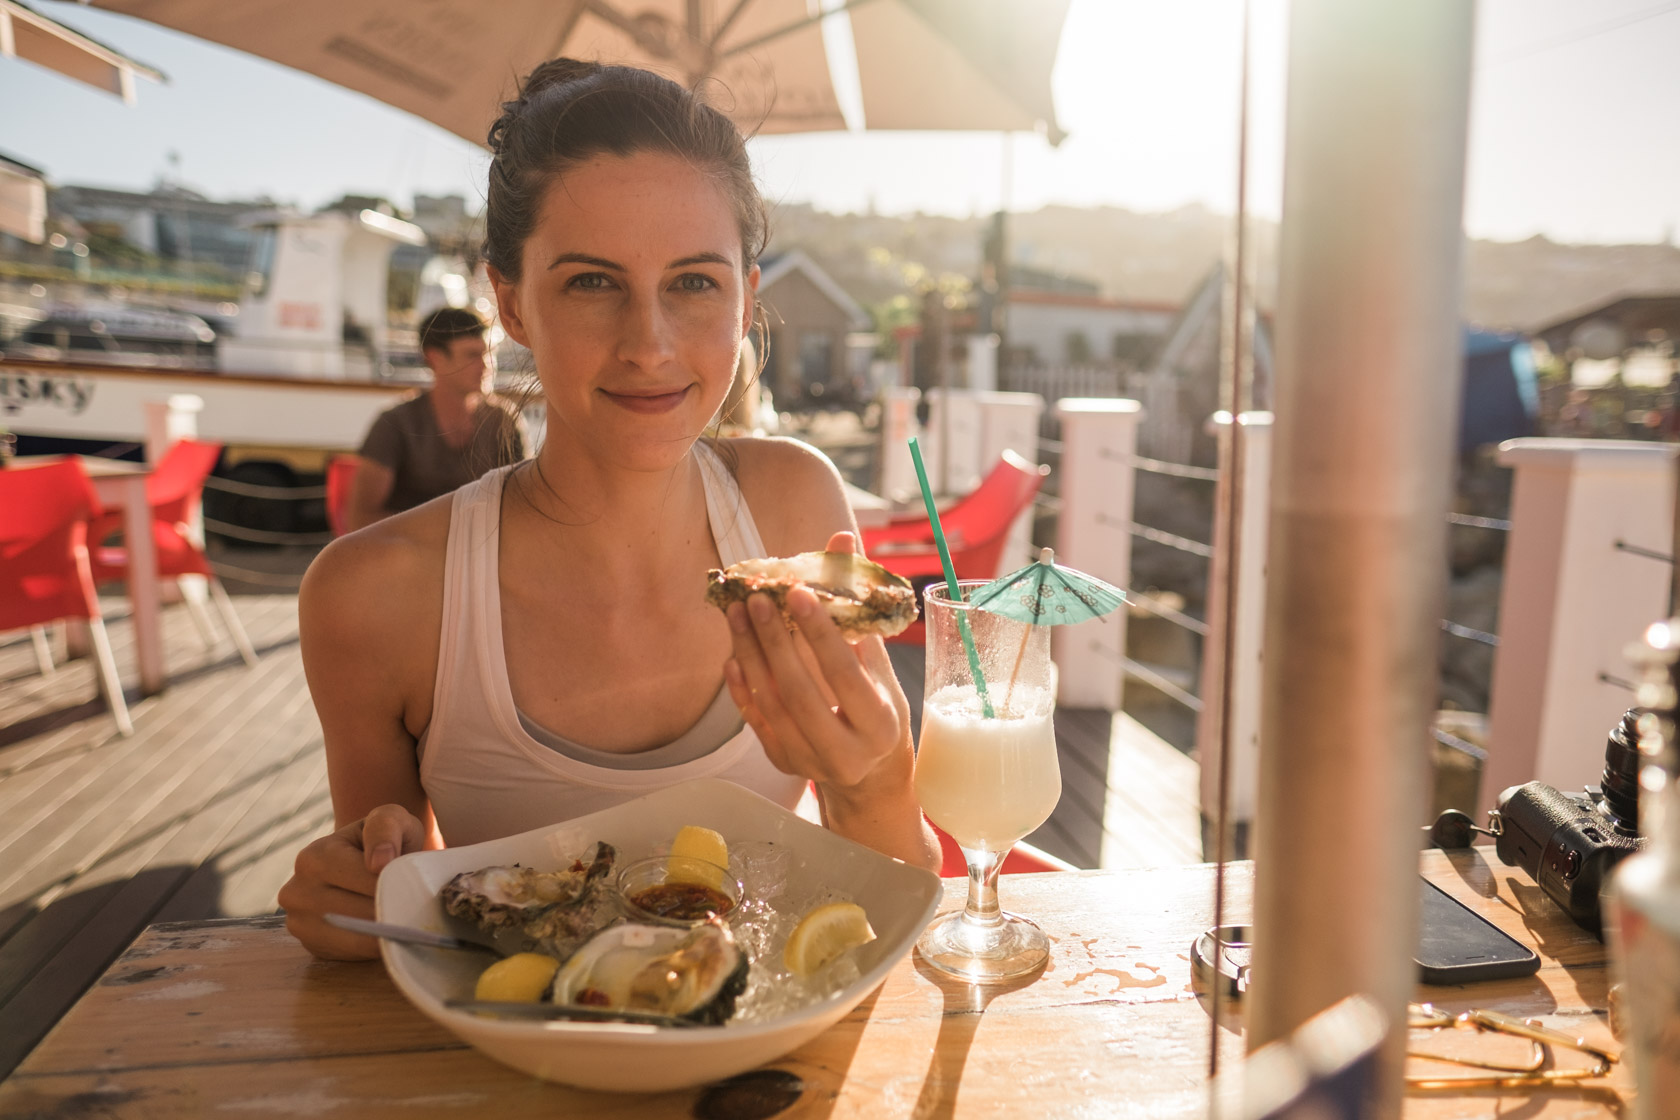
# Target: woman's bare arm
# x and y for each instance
(362, 620)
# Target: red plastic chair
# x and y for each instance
(174, 490)
(45, 574)
(1023, 859)
(341, 476)
(976, 528)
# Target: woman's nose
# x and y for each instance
(645, 336)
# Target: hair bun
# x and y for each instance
(547, 75)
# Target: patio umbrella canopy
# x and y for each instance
(922, 64)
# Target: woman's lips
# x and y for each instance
(648, 403)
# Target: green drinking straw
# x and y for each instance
(951, 580)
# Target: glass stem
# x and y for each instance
(983, 867)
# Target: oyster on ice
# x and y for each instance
(694, 974)
(537, 902)
(861, 597)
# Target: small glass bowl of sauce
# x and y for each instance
(677, 891)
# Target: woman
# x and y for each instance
(536, 646)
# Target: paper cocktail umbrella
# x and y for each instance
(1046, 594)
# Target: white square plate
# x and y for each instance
(899, 899)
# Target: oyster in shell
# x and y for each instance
(537, 902)
(695, 974)
(861, 597)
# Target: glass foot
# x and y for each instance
(981, 953)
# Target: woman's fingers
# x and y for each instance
(796, 691)
(388, 832)
(309, 925)
(854, 688)
(741, 693)
(338, 873)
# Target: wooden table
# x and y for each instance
(234, 1018)
(122, 485)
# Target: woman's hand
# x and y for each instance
(838, 718)
(336, 875)
(834, 713)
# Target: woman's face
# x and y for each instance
(633, 302)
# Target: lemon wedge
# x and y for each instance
(824, 934)
(521, 978)
(694, 842)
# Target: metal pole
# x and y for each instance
(1229, 498)
(1367, 389)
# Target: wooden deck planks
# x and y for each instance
(197, 816)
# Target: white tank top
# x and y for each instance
(485, 775)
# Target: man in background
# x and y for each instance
(442, 438)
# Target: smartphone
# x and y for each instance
(1456, 945)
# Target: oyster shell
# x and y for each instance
(693, 974)
(538, 902)
(861, 597)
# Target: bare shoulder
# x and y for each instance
(378, 589)
(795, 493)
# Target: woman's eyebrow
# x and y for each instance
(584, 258)
(701, 258)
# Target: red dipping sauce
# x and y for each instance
(683, 902)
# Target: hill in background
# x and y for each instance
(1157, 258)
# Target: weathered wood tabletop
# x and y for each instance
(235, 1018)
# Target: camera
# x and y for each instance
(1570, 843)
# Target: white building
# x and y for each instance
(1076, 328)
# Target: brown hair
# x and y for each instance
(570, 111)
(440, 329)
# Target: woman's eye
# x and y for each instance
(589, 281)
(695, 282)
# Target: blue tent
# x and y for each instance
(1501, 394)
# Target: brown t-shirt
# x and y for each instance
(405, 439)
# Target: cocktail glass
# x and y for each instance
(986, 780)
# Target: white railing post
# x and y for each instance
(1250, 623)
(1093, 534)
(1572, 600)
(1009, 422)
(898, 424)
(954, 415)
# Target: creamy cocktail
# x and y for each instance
(988, 782)
(986, 773)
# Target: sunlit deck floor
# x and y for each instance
(200, 813)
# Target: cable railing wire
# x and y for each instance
(1448, 739)
(1161, 537)
(256, 490)
(252, 576)
(1143, 601)
(1150, 677)
(1474, 522)
(1161, 466)
(1458, 630)
(1649, 554)
(263, 536)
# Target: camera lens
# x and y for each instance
(1621, 774)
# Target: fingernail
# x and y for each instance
(737, 616)
(760, 607)
(802, 604)
(732, 672)
(382, 855)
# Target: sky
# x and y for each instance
(1575, 125)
